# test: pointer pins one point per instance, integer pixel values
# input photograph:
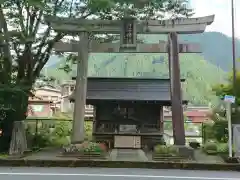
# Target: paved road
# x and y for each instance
(111, 174)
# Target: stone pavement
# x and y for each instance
(203, 158)
(115, 155)
(128, 155)
(119, 155)
(48, 154)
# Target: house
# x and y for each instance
(67, 89)
(193, 114)
(38, 107)
(49, 93)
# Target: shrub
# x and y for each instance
(220, 129)
(210, 148)
(222, 148)
(194, 144)
(208, 131)
(86, 147)
(166, 150)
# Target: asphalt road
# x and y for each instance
(110, 174)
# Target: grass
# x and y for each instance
(3, 155)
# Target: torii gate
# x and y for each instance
(128, 28)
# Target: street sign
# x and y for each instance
(228, 98)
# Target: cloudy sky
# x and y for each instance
(222, 11)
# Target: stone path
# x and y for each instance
(128, 155)
(47, 154)
(204, 158)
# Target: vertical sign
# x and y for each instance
(128, 35)
(128, 32)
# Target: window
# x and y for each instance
(54, 98)
(45, 97)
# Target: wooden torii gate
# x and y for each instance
(128, 29)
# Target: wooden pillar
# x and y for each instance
(175, 89)
(78, 132)
(161, 121)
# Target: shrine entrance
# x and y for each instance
(128, 28)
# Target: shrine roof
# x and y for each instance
(128, 89)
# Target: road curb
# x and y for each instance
(118, 164)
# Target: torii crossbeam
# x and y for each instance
(96, 47)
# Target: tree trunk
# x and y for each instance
(17, 103)
(18, 141)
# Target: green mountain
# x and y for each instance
(216, 47)
(200, 70)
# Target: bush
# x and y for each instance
(210, 148)
(166, 150)
(222, 148)
(86, 147)
(208, 131)
(194, 144)
(220, 129)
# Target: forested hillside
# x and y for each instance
(216, 47)
(200, 75)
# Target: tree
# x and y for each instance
(227, 89)
(26, 41)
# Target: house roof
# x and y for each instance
(47, 88)
(128, 89)
(38, 99)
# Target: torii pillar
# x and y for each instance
(78, 131)
(176, 90)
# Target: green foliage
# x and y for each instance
(210, 148)
(216, 131)
(166, 150)
(220, 129)
(86, 147)
(208, 133)
(222, 148)
(88, 130)
(227, 89)
(53, 133)
(61, 130)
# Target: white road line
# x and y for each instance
(116, 175)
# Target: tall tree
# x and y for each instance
(227, 89)
(26, 41)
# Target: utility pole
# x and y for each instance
(233, 48)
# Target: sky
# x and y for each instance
(222, 11)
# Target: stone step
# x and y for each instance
(128, 155)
